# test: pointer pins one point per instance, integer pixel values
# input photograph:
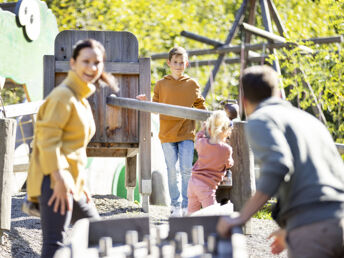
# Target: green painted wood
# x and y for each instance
(21, 59)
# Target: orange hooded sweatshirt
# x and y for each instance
(182, 92)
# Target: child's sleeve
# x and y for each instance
(156, 93)
(200, 101)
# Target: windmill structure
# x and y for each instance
(245, 20)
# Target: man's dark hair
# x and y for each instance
(259, 83)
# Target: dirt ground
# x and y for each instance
(24, 239)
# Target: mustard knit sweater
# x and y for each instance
(182, 92)
(63, 128)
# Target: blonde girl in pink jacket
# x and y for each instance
(214, 158)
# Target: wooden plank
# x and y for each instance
(106, 152)
(130, 171)
(263, 33)
(237, 48)
(111, 67)
(132, 152)
(121, 46)
(22, 109)
(251, 19)
(48, 74)
(266, 16)
(145, 185)
(7, 138)
(161, 108)
(200, 38)
(243, 170)
(268, 29)
(63, 46)
(238, 18)
(117, 229)
(234, 60)
(116, 145)
(20, 167)
(278, 21)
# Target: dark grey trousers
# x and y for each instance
(54, 225)
(324, 239)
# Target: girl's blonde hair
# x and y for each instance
(217, 123)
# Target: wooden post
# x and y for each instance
(202, 39)
(238, 18)
(145, 136)
(244, 184)
(7, 138)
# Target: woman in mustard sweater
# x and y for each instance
(64, 126)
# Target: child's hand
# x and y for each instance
(279, 243)
(141, 97)
(203, 126)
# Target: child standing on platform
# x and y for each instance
(214, 158)
(177, 134)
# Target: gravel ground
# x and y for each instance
(24, 239)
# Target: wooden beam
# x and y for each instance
(238, 19)
(145, 174)
(22, 109)
(7, 134)
(274, 13)
(161, 108)
(236, 49)
(251, 19)
(48, 74)
(202, 39)
(263, 33)
(110, 67)
(234, 60)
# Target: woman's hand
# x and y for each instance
(63, 187)
(279, 241)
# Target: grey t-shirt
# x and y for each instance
(299, 163)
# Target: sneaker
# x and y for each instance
(185, 212)
(30, 208)
(176, 211)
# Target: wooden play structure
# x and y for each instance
(247, 53)
(123, 123)
(119, 132)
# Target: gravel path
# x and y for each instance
(24, 239)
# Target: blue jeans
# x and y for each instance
(184, 152)
(54, 225)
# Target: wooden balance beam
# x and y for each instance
(243, 170)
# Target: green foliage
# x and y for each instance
(157, 25)
(265, 212)
(12, 95)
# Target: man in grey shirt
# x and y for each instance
(299, 164)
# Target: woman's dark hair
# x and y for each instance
(91, 43)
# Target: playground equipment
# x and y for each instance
(16, 44)
(119, 132)
(134, 237)
(247, 12)
(26, 34)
